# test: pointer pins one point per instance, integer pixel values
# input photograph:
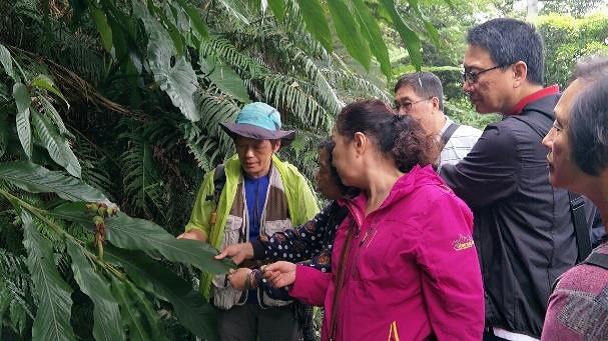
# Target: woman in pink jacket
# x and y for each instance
(404, 265)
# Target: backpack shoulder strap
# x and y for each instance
(581, 227)
(597, 259)
(447, 134)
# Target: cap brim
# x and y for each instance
(258, 133)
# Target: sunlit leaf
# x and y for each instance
(24, 129)
(348, 32)
(316, 23)
(44, 82)
(57, 145)
(371, 32)
(409, 37)
(105, 31)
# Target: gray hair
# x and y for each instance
(425, 84)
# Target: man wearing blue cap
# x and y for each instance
(252, 196)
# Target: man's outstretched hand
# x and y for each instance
(238, 252)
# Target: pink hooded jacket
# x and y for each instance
(412, 271)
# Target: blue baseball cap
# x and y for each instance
(259, 121)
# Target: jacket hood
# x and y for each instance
(405, 185)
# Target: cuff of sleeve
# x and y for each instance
(259, 252)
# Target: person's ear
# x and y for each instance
(520, 73)
(435, 103)
(276, 145)
(360, 142)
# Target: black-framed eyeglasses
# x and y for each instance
(406, 105)
(472, 77)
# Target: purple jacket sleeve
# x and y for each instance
(310, 286)
(452, 284)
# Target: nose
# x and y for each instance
(249, 152)
(548, 140)
(466, 87)
(402, 111)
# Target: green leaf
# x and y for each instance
(176, 37)
(105, 31)
(190, 307)
(178, 81)
(139, 234)
(73, 211)
(371, 32)
(131, 313)
(44, 82)
(50, 110)
(225, 78)
(52, 320)
(196, 20)
(409, 37)
(57, 145)
(316, 23)
(37, 179)
(106, 313)
(427, 23)
(24, 129)
(278, 8)
(7, 62)
(348, 32)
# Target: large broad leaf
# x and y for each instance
(409, 37)
(44, 82)
(316, 23)
(191, 309)
(37, 179)
(139, 234)
(132, 316)
(348, 32)
(233, 11)
(50, 110)
(196, 20)
(105, 31)
(7, 62)
(224, 78)
(106, 313)
(178, 80)
(371, 32)
(52, 320)
(57, 145)
(74, 211)
(24, 129)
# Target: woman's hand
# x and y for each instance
(238, 252)
(237, 278)
(280, 274)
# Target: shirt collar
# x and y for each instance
(550, 90)
(447, 123)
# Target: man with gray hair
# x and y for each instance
(420, 95)
(578, 161)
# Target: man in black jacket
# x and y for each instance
(523, 230)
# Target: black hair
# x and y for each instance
(401, 137)
(509, 41)
(424, 84)
(328, 145)
(588, 128)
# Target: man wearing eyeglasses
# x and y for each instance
(420, 95)
(523, 229)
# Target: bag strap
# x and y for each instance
(219, 180)
(581, 229)
(447, 134)
(597, 259)
(340, 276)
